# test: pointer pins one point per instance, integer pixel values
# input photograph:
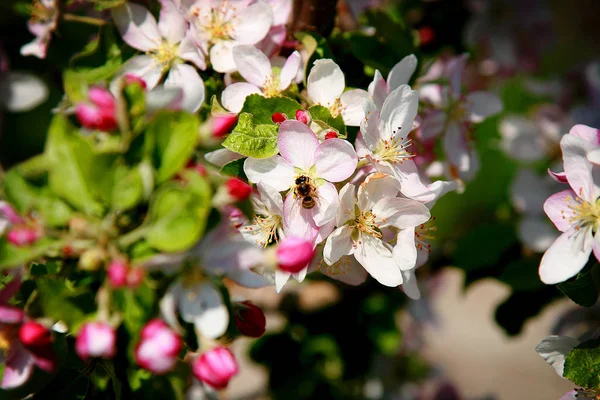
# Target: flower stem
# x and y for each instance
(84, 20)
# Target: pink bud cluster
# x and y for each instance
(100, 112)
(120, 275)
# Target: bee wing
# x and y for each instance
(297, 220)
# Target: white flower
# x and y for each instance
(166, 45)
(325, 87)
(256, 68)
(400, 74)
(267, 225)
(219, 26)
(360, 222)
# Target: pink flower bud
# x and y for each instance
(96, 340)
(9, 212)
(293, 254)
(331, 135)
(34, 335)
(22, 235)
(250, 320)
(238, 189)
(223, 124)
(216, 367)
(279, 117)
(158, 348)
(102, 98)
(302, 116)
(135, 276)
(199, 168)
(131, 79)
(117, 274)
(101, 114)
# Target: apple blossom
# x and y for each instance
(267, 226)
(256, 68)
(96, 340)
(215, 367)
(219, 26)
(167, 46)
(44, 19)
(305, 169)
(399, 75)
(361, 219)
(325, 86)
(158, 348)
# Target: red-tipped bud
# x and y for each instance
(22, 235)
(102, 98)
(302, 116)
(135, 276)
(131, 79)
(158, 348)
(101, 113)
(426, 35)
(117, 274)
(250, 320)
(238, 189)
(293, 254)
(96, 340)
(331, 135)
(279, 117)
(216, 367)
(34, 335)
(223, 124)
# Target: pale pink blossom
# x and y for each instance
(43, 22)
(215, 367)
(158, 348)
(96, 340)
(399, 75)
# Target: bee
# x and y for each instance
(306, 191)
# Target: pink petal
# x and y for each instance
(558, 207)
(559, 177)
(10, 314)
(433, 124)
(586, 133)
(19, 366)
(171, 23)
(335, 160)
(274, 171)
(328, 203)
(566, 256)
(252, 64)
(297, 144)
(137, 26)
(455, 70)
(298, 221)
(289, 70)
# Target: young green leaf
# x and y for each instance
(248, 139)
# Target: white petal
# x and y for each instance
(401, 213)
(370, 126)
(142, 66)
(21, 91)
(189, 51)
(274, 171)
(482, 105)
(328, 203)
(521, 139)
(399, 111)
(325, 82)
(410, 286)
(250, 279)
(401, 72)
(221, 157)
(459, 152)
(252, 64)
(353, 106)
(405, 250)
(221, 57)
(289, 70)
(186, 77)
(171, 23)
(234, 95)
(137, 26)
(338, 244)
(253, 23)
(203, 306)
(376, 257)
(554, 349)
(168, 305)
(162, 97)
(271, 198)
(566, 256)
(281, 278)
(378, 89)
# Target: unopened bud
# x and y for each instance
(135, 276)
(100, 113)
(331, 135)
(238, 189)
(223, 124)
(250, 319)
(215, 367)
(22, 235)
(96, 340)
(293, 254)
(158, 348)
(131, 79)
(117, 274)
(278, 117)
(34, 335)
(302, 116)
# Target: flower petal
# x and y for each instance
(554, 349)
(253, 23)
(401, 72)
(20, 91)
(353, 106)
(370, 126)
(142, 66)
(18, 367)
(234, 96)
(189, 51)
(566, 256)
(376, 257)
(335, 160)
(221, 157)
(271, 199)
(221, 56)
(171, 22)
(537, 234)
(577, 167)
(297, 144)
(290, 70)
(459, 152)
(250, 279)
(433, 125)
(399, 111)
(186, 77)
(252, 64)
(297, 220)
(482, 105)
(401, 213)
(559, 208)
(529, 191)
(378, 89)
(410, 286)
(137, 26)
(338, 244)
(325, 82)
(202, 305)
(328, 203)
(274, 171)
(405, 250)
(589, 134)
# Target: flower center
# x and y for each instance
(585, 214)
(365, 222)
(336, 108)
(217, 22)
(267, 229)
(394, 150)
(271, 87)
(8, 334)
(165, 54)
(423, 234)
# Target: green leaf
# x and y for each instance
(128, 189)
(175, 134)
(582, 365)
(77, 80)
(262, 108)
(582, 290)
(322, 114)
(54, 211)
(18, 191)
(248, 139)
(60, 300)
(74, 167)
(13, 256)
(234, 168)
(137, 306)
